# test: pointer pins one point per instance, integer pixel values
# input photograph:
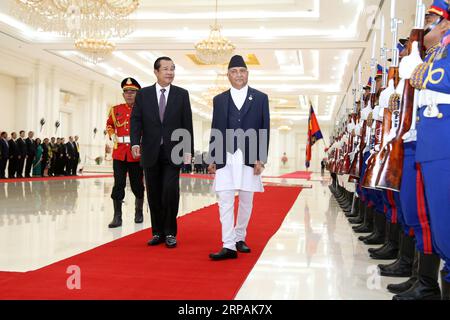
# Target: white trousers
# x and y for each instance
(231, 233)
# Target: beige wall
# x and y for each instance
(8, 96)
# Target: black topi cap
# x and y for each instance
(237, 62)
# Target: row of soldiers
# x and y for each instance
(395, 149)
(27, 157)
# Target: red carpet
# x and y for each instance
(298, 175)
(198, 176)
(56, 178)
(128, 269)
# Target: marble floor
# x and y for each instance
(314, 255)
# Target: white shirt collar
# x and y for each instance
(158, 89)
(240, 92)
(239, 96)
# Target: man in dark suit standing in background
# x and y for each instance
(4, 154)
(159, 111)
(70, 147)
(22, 154)
(13, 156)
(31, 153)
(77, 156)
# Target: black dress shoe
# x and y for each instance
(171, 242)
(241, 246)
(157, 239)
(224, 254)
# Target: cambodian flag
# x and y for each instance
(314, 135)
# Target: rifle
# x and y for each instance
(374, 167)
(346, 165)
(390, 176)
(356, 165)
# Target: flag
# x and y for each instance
(314, 135)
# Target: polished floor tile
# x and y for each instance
(44, 222)
(314, 255)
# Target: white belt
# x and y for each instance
(428, 97)
(125, 139)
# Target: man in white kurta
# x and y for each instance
(238, 177)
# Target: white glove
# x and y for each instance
(410, 63)
(365, 113)
(350, 127)
(358, 129)
(386, 95)
(376, 114)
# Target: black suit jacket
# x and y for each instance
(13, 150)
(31, 147)
(147, 129)
(4, 149)
(70, 150)
(21, 147)
(255, 115)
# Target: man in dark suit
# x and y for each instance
(4, 154)
(70, 147)
(160, 111)
(52, 171)
(241, 119)
(64, 156)
(77, 156)
(13, 156)
(31, 154)
(22, 153)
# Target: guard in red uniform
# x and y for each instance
(118, 127)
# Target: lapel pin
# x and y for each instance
(250, 98)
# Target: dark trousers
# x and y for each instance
(51, 168)
(12, 167)
(75, 166)
(120, 179)
(29, 166)
(3, 162)
(20, 164)
(60, 165)
(163, 193)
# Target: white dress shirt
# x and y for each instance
(158, 92)
(239, 96)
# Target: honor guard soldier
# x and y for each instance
(118, 128)
(433, 131)
(431, 198)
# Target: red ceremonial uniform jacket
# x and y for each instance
(119, 124)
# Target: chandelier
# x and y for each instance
(218, 88)
(95, 50)
(216, 49)
(91, 23)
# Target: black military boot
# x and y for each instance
(402, 267)
(367, 226)
(426, 287)
(361, 212)
(138, 213)
(355, 208)
(445, 286)
(379, 231)
(404, 286)
(386, 240)
(390, 248)
(117, 220)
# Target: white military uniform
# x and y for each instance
(236, 177)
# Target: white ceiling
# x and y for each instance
(307, 49)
